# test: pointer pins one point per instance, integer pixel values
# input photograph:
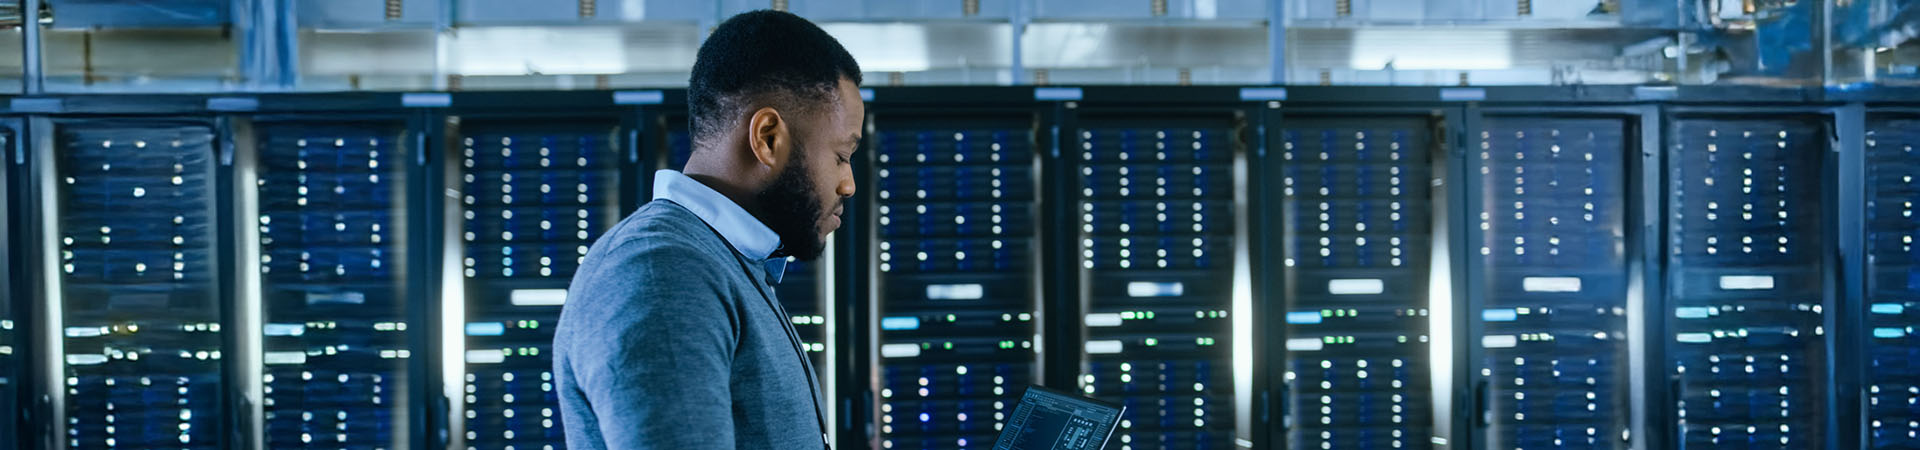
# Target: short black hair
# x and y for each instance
(768, 56)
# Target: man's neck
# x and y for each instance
(738, 194)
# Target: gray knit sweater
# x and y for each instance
(665, 343)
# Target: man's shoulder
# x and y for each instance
(659, 227)
(658, 252)
(661, 248)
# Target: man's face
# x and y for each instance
(808, 198)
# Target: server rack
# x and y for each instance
(956, 266)
(1553, 247)
(1883, 423)
(1749, 285)
(136, 276)
(12, 348)
(333, 226)
(538, 184)
(1158, 280)
(1892, 280)
(1356, 260)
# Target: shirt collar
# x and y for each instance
(750, 237)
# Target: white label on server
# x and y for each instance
(968, 291)
(86, 360)
(279, 358)
(539, 297)
(79, 332)
(1105, 347)
(486, 328)
(486, 356)
(1305, 344)
(1152, 289)
(1356, 286)
(1694, 338)
(1103, 320)
(900, 350)
(285, 329)
(1500, 341)
(1550, 284)
(350, 298)
(1746, 282)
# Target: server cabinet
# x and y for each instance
(332, 220)
(1747, 280)
(1549, 277)
(1358, 242)
(956, 266)
(535, 191)
(1893, 282)
(801, 291)
(12, 372)
(1157, 199)
(137, 300)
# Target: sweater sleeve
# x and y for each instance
(656, 370)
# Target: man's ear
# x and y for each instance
(768, 138)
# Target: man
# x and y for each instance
(671, 337)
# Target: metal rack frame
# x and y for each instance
(861, 336)
(11, 418)
(1641, 147)
(443, 136)
(1839, 415)
(1449, 119)
(1070, 302)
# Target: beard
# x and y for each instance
(793, 212)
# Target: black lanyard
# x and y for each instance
(786, 324)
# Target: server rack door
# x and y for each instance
(800, 290)
(1157, 263)
(11, 374)
(1745, 280)
(142, 333)
(956, 199)
(1358, 245)
(1893, 283)
(535, 194)
(332, 225)
(1552, 266)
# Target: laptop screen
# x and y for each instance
(1048, 419)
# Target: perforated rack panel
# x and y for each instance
(142, 334)
(1358, 241)
(333, 266)
(1745, 278)
(956, 200)
(1893, 286)
(536, 194)
(1157, 238)
(1554, 303)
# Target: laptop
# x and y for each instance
(1052, 420)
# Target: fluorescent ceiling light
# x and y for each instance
(1431, 49)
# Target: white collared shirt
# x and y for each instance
(753, 239)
